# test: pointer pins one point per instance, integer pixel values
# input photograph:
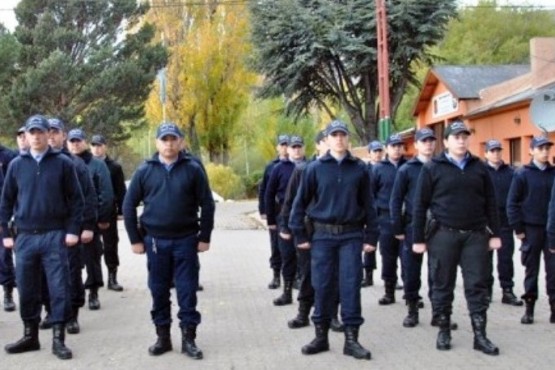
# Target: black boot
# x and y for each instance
(336, 325)
(46, 323)
(528, 317)
(287, 296)
(389, 296)
(29, 342)
(481, 342)
(94, 303)
(552, 318)
(188, 345)
(72, 324)
(302, 316)
(352, 347)
(163, 343)
(435, 322)
(412, 318)
(320, 343)
(275, 283)
(368, 279)
(510, 298)
(58, 342)
(9, 305)
(113, 280)
(443, 342)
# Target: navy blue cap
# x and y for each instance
(337, 126)
(455, 128)
(76, 134)
(296, 140)
(538, 141)
(493, 144)
(321, 135)
(424, 133)
(283, 139)
(394, 139)
(56, 124)
(98, 140)
(375, 145)
(37, 122)
(21, 130)
(168, 128)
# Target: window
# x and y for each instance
(515, 147)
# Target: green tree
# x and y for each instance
(9, 54)
(323, 52)
(90, 63)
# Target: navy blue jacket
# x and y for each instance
(275, 190)
(42, 196)
(171, 201)
(501, 178)
(102, 184)
(551, 219)
(333, 192)
(118, 184)
(383, 176)
(529, 196)
(290, 194)
(6, 156)
(459, 199)
(264, 184)
(402, 195)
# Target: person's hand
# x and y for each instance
(285, 236)
(419, 248)
(400, 237)
(120, 217)
(494, 243)
(263, 216)
(272, 227)
(304, 245)
(368, 248)
(138, 248)
(71, 240)
(86, 236)
(520, 236)
(8, 243)
(103, 225)
(203, 247)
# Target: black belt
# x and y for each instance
(462, 231)
(337, 228)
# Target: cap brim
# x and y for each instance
(168, 134)
(338, 130)
(37, 127)
(427, 137)
(456, 132)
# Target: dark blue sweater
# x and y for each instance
(42, 196)
(551, 220)
(501, 178)
(6, 156)
(402, 195)
(102, 184)
(529, 196)
(333, 192)
(275, 191)
(263, 185)
(171, 201)
(383, 176)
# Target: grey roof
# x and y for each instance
(465, 82)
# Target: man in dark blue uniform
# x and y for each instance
(42, 191)
(447, 185)
(383, 176)
(527, 211)
(21, 140)
(335, 195)
(275, 257)
(275, 196)
(173, 188)
(501, 176)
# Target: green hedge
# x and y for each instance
(224, 181)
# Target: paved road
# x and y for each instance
(241, 328)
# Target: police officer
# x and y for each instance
(173, 188)
(456, 189)
(401, 206)
(110, 235)
(383, 176)
(375, 149)
(527, 211)
(501, 176)
(77, 145)
(42, 191)
(21, 140)
(335, 195)
(274, 198)
(275, 257)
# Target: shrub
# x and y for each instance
(224, 181)
(251, 183)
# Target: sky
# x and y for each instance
(7, 16)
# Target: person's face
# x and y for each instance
(541, 153)
(425, 147)
(282, 150)
(37, 139)
(76, 146)
(376, 156)
(338, 142)
(395, 152)
(22, 143)
(56, 138)
(457, 145)
(494, 156)
(169, 146)
(322, 147)
(98, 150)
(295, 152)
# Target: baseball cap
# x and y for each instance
(394, 139)
(493, 144)
(283, 139)
(456, 128)
(296, 140)
(37, 122)
(375, 145)
(538, 141)
(320, 136)
(56, 124)
(98, 140)
(21, 130)
(337, 126)
(424, 133)
(76, 134)
(166, 129)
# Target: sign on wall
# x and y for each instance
(443, 104)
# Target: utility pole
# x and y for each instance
(384, 125)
